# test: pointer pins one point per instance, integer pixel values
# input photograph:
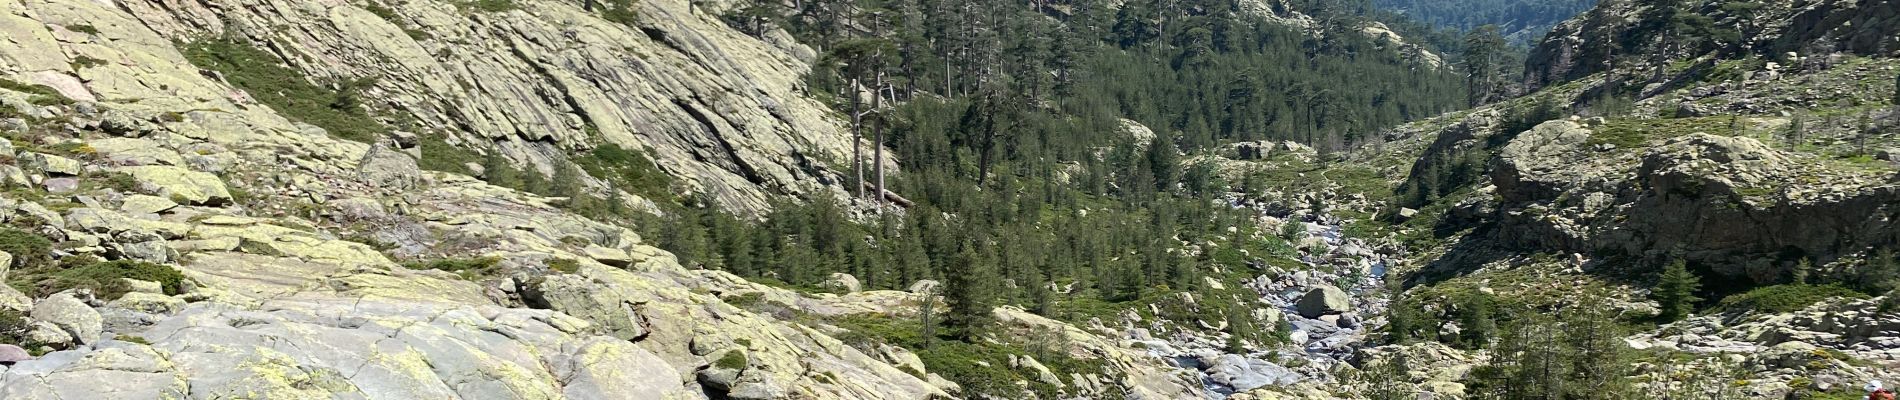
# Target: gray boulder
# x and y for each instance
(389, 169)
(842, 283)
(70, 315)
(1324, 300)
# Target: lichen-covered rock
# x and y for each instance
(1324, 300)
(51, 164)
(389, 169)
(841, 282)
(71, 315)
(129, 151)
(180, 184)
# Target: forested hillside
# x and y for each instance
(1046, 143)
(1523, 21)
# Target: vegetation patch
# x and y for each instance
(490, 5)
(1785, 298)
(439, 155)
(105, 278)
(333, 106)
(629, 170)
(734, 359)
(468, 268)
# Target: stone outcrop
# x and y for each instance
(1731, 203)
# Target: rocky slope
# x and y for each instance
(1616, 32)
(1750, 171)
(536, 80)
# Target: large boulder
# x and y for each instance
(389, 169)
(70, 315)
(51, 164)
(180, 184)
(1324, 300)
(842, 283)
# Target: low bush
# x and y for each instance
(468, 268)
(105, 278)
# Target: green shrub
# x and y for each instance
(83, 62)
(468, 268)
(627, 169)
(564, 266)
(734, 359)
(264, 76)
(491, 5)
(132, 339)
(439, 155)
(86, 29)
(1785, 298)
(106, 279)
(30, 89)
(14, 326)
(29, 250)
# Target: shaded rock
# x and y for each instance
(924, 286)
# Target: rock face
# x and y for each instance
(716, 108)
(1324, 300)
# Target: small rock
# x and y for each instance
(149, 302)
(144, 204)
(50, 334)
(10, 354)
(61, 185)
(608, 255)
(924, 286)
(143, 286)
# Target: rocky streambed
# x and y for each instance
(1325, 305)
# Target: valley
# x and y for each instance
(926, 199)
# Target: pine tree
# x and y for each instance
(1484, 52)
(969, 293)
(1599, 359)
(1675, 293)
(497, 171)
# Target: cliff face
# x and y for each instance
(539, 80)
(1617, 30)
